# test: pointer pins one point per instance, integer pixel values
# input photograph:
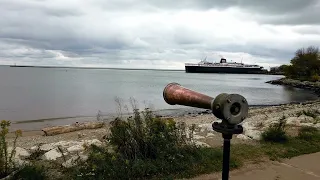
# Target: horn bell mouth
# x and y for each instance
(164, 94)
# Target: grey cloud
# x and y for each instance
(271, 6)
(305, 16)
(39, 7)
(310, 30)
(39, 27)
(187, 37)
(287, 12)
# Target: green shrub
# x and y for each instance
(315, 78)
(146, 137)
(276, 132)
(7, 164)
(31, 172)
(147, 147)
(308, 133)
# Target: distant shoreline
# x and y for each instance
(70, 67)
(306, 85)
(110, 68)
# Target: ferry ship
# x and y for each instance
(223, 67)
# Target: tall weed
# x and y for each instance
(7, 164)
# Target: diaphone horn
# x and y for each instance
(231, 108)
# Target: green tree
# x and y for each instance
(305, 64)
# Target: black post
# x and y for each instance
(227, 133)
(226, 156)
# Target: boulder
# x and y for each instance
(253, 134)
(75, 148)
(198, 137)
(45, 147)
(73, 161)
(306, 119)
(70, 146)
(293, 121)
(53, 154)
(66, 144)
(210, 135)
(205, 127)
(20, 152)
(243, 137)
(93, 141)
(201, 144)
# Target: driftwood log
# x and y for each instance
(51, 131)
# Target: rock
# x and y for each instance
(308, 124)
(210, 135)
(253, 134)
(202, 144)
(249, 124)
(198, 137)
(52, 154)
(33, 148)
(80, 135)
(45, 147)
(293, 121)
(298, 84)
(20, 162)
(205, 127)
(75, 148)
(206, 112)
(93, 141)
(66, 144)
(306, 119)
(62, 144)
(20, 152)
(73, 161)
(317, 125)
(242, 136)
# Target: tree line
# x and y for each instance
(305, 65)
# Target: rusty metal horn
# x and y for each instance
(174, 94)
(232, 108)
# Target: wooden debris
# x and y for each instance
(51, 131)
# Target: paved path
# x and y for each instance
(305, 167)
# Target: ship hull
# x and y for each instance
(229, 70)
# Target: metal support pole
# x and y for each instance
(226, 156)
(227, 133)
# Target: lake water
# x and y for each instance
(41, 93)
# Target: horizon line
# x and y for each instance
(80, 67)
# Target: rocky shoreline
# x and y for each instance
(312, 86)
(67, 147)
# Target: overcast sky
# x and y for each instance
(155, 33)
